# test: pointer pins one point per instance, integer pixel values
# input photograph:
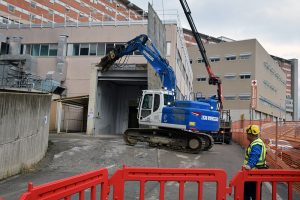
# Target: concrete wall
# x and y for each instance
(24, 129)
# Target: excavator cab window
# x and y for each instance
(146, 105)
(156, 102)
(169, 100)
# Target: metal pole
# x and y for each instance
(276, 141)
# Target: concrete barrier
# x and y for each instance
(24, 130)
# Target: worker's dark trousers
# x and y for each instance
(250, 191)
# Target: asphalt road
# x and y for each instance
(71, 154)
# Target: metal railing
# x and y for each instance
(169, 16)
(13, 77)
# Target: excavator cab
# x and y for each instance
(151, 106)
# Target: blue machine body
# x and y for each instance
(194, 115)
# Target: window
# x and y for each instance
(70, 49)
(169, 99)
(119, 45)
(109, 47)
(93, 49)
(44, 50)
(201, 79)
(245, 76)
(11, 8)
(214, 59)
(244, 97)
(5, 21)
(35, 50)
(84, 49)
(156, 102)
(33, 4)
(230, 97)
(4, 48)
(53, 50)
(244, 56)
(22, 49)
(168, 48)
(230, 76)
(200, 60)
(231, 57)
(101, 49)
(28, 49)
(76, 50)
(146, 105)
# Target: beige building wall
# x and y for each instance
(78, 69)
(271, 85)
(237, 64)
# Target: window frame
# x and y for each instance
(11, 6)
(231, 57)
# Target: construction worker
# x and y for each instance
(255, 158)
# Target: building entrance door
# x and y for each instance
(132, 117)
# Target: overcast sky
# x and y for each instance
(274, 23)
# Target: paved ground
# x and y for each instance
(71, 154)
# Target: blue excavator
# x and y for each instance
(177, 125)
(172, 124)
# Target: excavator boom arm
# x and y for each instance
(143, 44)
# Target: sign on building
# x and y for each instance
(253, 94)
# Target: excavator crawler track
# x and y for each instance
(170, 139)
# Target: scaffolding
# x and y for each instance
(13, 76)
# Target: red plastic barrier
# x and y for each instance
(264, 175)
(65, 188)
(163, 175)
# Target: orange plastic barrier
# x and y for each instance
(264, 175)
(65, 188)
(163, 175)
(77, 185)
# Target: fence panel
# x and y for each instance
(75, 185)
(264, 175)
(286, 134)
(164, 175)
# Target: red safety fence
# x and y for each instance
(164, 175)
(286, 155)
(264, 175)
(66, 188)
(79, 184)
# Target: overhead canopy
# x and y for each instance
(77, 101)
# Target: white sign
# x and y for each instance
(209, 118)
(90, 115)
